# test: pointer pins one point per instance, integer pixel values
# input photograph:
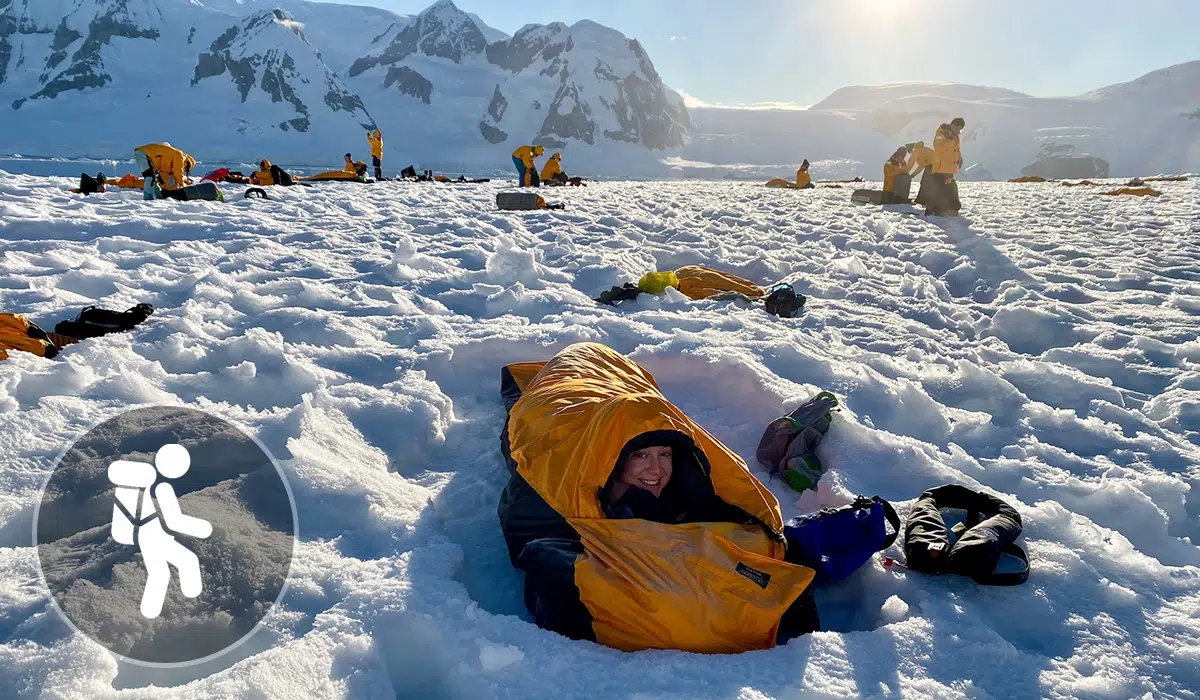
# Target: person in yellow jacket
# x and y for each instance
(893, 167)
(920, 162)
(524, 159)
(947, 159)
(803, 179)
(553, 173)
(375, 138)
(167, 164)
(264, 177)
(17, 333)
(635, 527)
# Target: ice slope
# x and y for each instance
(1140, 127)
(1044, 347)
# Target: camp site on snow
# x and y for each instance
(354, 354)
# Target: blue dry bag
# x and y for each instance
(835, 542)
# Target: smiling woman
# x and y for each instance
(648, 469)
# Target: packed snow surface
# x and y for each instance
(1043, 347)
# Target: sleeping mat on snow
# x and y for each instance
(954, 530)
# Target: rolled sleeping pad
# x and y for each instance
(867, 196)
(517, 201)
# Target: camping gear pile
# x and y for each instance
(699, 283)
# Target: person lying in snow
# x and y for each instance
(90, 185)
(269, 175)
(18, 333)
(698, 282)
(642, 531)
(352, 171)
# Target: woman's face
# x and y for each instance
(648, 468)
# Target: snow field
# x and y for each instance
(1042, 346)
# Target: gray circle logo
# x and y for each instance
(166, 535)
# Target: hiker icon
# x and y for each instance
(137, 520)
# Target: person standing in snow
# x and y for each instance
(375, 138)
(524, 159)
(947, 159)
(803, 179)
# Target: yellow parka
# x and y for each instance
(169, 164)
(263, 177)
(803, 179)
(527, 154)
(14, 335)
(553, 167)
(920, 158)
(947, 158)
(709, 587)
(375, 138)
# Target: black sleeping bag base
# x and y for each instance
(954, 530)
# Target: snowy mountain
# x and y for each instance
(1144, 126)
(585, 88)
(302, 82)
(266, 58)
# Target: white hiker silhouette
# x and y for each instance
(136, 520)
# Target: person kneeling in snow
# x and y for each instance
(697, 282)
(893, 169)
(641, 531)
(554, 176)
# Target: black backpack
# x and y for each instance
(783, 301)
(94, 321)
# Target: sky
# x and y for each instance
(743, 52)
